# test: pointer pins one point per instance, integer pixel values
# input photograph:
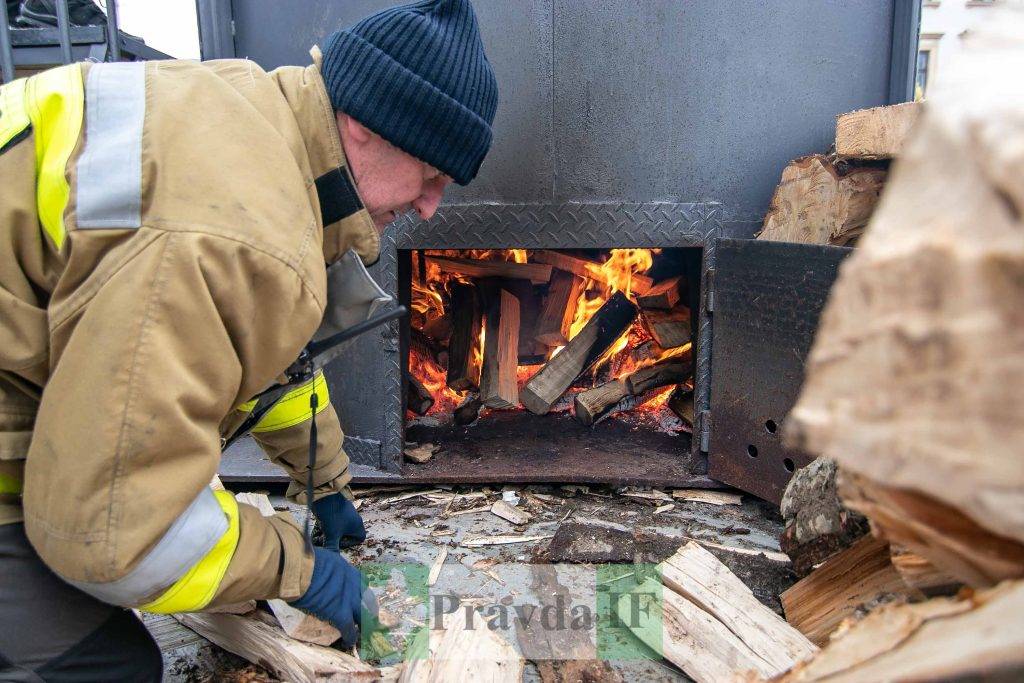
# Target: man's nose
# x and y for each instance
(426, 204)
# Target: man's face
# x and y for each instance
(390, 181)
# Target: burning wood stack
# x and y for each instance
(548, 330)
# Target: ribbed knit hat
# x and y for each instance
(417, 76)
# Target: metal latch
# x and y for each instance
(709, 289)
(705, 431)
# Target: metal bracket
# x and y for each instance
(709, 288)
(705, 430)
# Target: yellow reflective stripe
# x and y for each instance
(247, 406)
(13, 117)
(293, 408)
(196, 588)
(10, 485)
(54, 101)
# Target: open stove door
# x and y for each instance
(764, 304)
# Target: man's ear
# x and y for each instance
(355, 130)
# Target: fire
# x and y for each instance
(617, 273)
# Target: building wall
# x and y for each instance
(945, 25)
(652, 100)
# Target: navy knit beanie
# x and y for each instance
(417, 76)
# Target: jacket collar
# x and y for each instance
(306, 94)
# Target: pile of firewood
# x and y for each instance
(915, 389)
(526, 311)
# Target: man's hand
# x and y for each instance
(341, 523)
(336, 595)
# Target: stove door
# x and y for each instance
(766, 298)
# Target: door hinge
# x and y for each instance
(709, 289)
(705, 431)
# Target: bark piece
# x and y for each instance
(639, 283)
(269, 647)
(859, 575)
(875, 133)
(417, 398)
(818, 525)
(559, 308)
(699, 576)
(498, 387)
(463, 366)
(421, 453)
(670, 329)
(606, 325)
(664, 295)
(816, 204)
(538, 273)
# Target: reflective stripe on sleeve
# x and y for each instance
(293, 407)
(196, 588)
(110, 167)
(189, 539)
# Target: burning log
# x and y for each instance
(663, 295)
(417, 397)
(593, 405)
(600, 332)
(640, 284)
(658, 375)
(498, 388)
(463, 368)
(680, 402)
(537, 273)
(670, 329)
(559, 307)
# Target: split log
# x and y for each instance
(462, 652)
(816, 204)
(700, 577)
(876, 133)
(859, 575)
(417, 398)
(531, 352)
(980, 637)
(670, 329)
(671, 371)
(664, 295)
(294, 622)
(593, 404)
(680, 402)
(921, 574)
(703, 647)
(538, 273)
(269, 647)
(559, 308)
(640, 283)
(498, 387)
(606, 325)
(463, 366)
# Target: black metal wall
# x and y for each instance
(642, 100)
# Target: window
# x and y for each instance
(921, 85)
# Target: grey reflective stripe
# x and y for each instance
(110, 167)
(189, 539)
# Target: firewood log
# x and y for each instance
(559, 308)
(875, 133)
(670, 329)
(538, 273)
(463, 367)
(640, 284)
(498, 387)
(664, 295)
(417, 398)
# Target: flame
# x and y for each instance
(617, 273)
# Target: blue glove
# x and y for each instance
(342, 525)
(336, 595)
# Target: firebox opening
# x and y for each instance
(550, 365)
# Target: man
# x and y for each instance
(164, 230)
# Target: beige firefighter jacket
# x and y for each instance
(162, 260)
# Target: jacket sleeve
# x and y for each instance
(126, 439)
(283, 433)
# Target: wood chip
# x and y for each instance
(654, 495)
(770, 554)
(663, 508)
(442, 532)
(478, 541)
(710, 497)
(422, 453)
(510, 513)
(435, 569)
(406, 496)
(483, 508)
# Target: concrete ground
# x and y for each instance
(581, 533)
